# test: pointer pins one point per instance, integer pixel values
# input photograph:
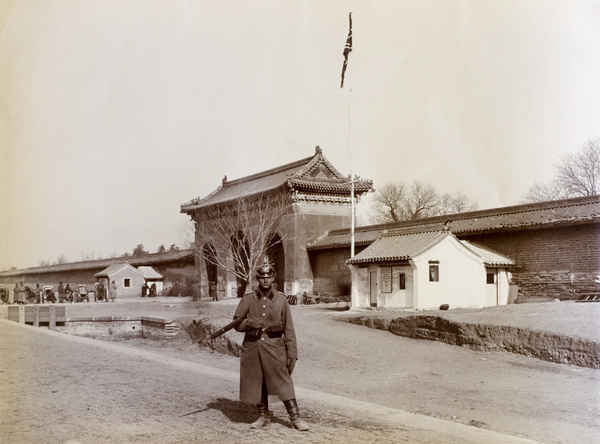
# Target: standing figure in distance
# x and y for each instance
(269, 350)
(113, 291)
(213, 290)
(61, 292)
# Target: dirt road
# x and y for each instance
(354, 384)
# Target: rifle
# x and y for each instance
(222, 330)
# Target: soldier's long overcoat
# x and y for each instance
(266, 357)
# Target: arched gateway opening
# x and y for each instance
(276, 257)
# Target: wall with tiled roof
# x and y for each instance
(555, 245)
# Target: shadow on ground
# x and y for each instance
(237, 411)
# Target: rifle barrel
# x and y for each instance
(225, 329)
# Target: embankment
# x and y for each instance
(540, 344)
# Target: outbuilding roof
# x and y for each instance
(313, 174)
(519, 217)
(150, 273)
(114, 269)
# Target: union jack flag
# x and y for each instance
(347, 49)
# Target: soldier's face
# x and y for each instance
(265, 282)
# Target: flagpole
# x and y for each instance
(350, 150)
(345, 66)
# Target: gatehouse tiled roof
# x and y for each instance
(519, 217)
(313, 174)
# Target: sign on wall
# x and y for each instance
(385, 274)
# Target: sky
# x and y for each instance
(114, 113)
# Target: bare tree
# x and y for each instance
(236, 236)
(186, 234)
(388, 203)
(455, 203)
(577, 175)
(88, 256)
(60, 260)
(395, 202)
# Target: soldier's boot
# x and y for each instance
(264, 418)
(297, 422)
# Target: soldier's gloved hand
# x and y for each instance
(291, 363)
(255, 323)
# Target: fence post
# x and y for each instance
(52, 320)
(36, 316)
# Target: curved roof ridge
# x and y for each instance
(269, 172)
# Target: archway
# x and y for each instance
(211, 270)
(276, 257)
(241, 253)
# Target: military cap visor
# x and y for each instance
(265, 271)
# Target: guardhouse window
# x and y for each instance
(126, 282)
(434, 271)
(402, 281)
(490, 278)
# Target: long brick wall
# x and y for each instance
(550, 263)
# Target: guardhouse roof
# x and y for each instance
(402, 247)
(398, 248)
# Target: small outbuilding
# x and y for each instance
(128, 280)
(425, 270)
(152, 276)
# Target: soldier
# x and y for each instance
(269, 351)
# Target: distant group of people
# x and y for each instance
(149, 291)
(24, 294)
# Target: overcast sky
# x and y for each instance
(114, 113)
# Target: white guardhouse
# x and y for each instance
(424, 270)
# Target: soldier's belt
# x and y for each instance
(275, 331)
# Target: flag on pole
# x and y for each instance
(347, 49)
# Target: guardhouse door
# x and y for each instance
(373, 287)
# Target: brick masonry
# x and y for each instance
(550, 263)
(330, 273)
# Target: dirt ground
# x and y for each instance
(498, 391)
